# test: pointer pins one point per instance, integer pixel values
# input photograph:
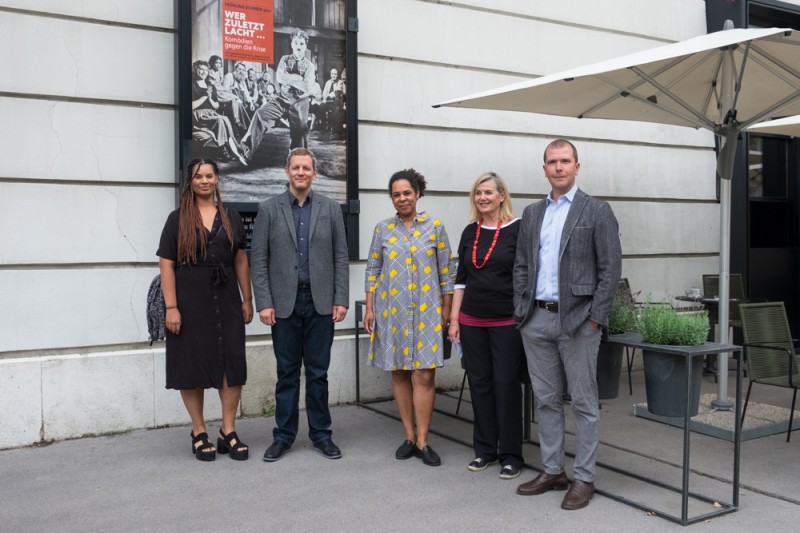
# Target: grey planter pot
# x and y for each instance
(609, 369)
(665, 383)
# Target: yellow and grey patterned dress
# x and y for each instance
(408, 270)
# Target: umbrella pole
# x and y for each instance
(729, 139)
(722, 402)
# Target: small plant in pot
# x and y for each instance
(621, 319)
(622, 316)
(665, 374)
(660, 323)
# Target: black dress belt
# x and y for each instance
(547, 306)
(303, 286)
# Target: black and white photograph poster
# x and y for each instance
(269, 76)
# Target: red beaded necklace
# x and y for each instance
(475, 244)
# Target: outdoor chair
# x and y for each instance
(770, 349)
(711, 289)
(624, 290)
(737, 296)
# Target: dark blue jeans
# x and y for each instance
(304, 338)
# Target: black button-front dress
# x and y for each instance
(210, 344)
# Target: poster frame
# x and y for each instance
(183, 87)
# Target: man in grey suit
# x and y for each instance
(300, 277)
(565, 277)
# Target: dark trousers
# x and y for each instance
(298, 127)
(494, 359)
(305, 337)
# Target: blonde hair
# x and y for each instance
(506, 212)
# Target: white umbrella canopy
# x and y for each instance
(723, 82)
(679, 83)
(789, 126)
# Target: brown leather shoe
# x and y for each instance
(543, 483)
(578, 496)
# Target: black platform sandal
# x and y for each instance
(231, 443)
(204, 452)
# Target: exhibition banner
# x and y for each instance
(263, 77)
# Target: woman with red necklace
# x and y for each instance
(481, 319)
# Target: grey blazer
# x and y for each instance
(590, 263)
(274, 256)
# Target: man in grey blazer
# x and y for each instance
(300, 277)
(566, 272)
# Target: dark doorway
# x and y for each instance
(772, 218)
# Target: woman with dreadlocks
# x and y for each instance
(203, 268)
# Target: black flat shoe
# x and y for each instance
(405, 451)
(202, 448)
(276, 450)
(231, 443)
(428, 456)
(327, 448)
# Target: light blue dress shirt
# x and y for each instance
(555, 215)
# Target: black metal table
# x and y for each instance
(359, 314)
(711, 303)
(630, 340)
(634, 340)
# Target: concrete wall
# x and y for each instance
(89, 165)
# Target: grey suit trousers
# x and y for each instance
(551, 356)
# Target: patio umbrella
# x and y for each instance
(724, 82)
(789, 126)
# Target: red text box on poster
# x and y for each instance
(247, 30)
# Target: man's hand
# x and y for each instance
(339, 312)
(267, 316)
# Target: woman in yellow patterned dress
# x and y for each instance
(409, 285)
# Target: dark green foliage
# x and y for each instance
(660, 323)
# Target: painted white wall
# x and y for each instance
(653, 19)
(156, 13)
(88, 167)
(78, 141)
(72, 58)
(457, 50)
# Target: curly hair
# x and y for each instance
(413, 177)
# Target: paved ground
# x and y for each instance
(148, 481)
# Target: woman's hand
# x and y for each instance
(173, 320)
(369, 321)
(454, 332)
(247, 311)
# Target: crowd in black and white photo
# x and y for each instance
(233, 110)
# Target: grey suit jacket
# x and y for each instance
(275, 265)
(590, 262)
